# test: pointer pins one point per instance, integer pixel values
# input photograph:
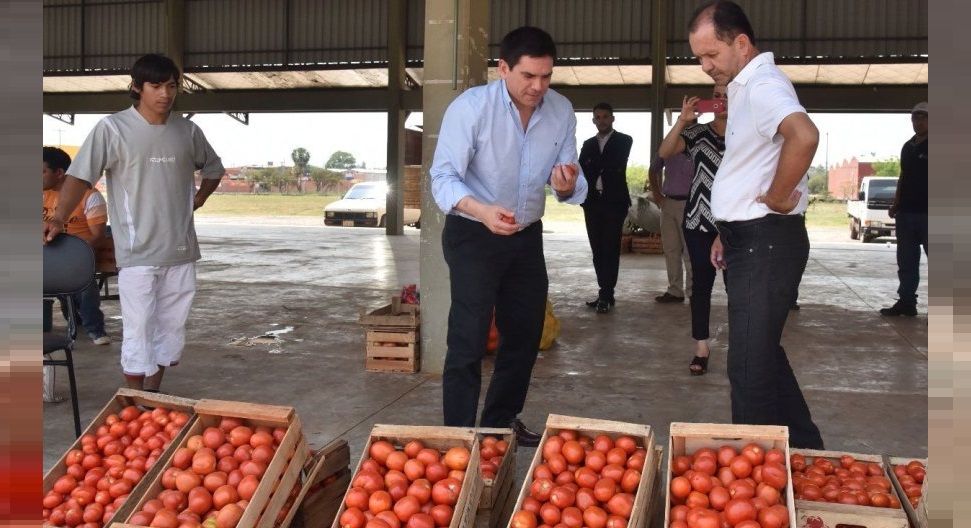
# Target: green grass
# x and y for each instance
(819, 214)
(266, 204)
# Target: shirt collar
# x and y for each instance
(507, 99)
(749, 70)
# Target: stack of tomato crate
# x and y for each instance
(588, 472)
(392, 335)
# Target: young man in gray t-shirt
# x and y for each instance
(148, 156)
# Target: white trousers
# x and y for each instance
(155, 303)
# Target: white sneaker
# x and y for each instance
(103, 339)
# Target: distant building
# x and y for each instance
(845, 177)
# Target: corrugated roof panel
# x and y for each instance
(228, 33)
(116, 34)
(415, 30)
(62, 38)
(338, 32)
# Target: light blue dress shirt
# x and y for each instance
(483, 151)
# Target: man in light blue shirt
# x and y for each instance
(500, 145)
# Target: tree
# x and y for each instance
(818, 180)
(636, 176)
(889, 167)
(325, 179)
(341, 160)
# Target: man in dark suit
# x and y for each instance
(603, 159)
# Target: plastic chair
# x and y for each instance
(68, 269)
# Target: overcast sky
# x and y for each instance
(271, 137)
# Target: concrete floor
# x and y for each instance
(864, 376)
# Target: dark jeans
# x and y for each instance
(508, 273)
(88, 306)
(605, 223)
(703, 280)
(765, 259)
(911, 235)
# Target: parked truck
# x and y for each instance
(868, 214)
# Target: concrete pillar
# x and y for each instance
(394, 210)
(456, 58)
(659, 39)
(175, 32)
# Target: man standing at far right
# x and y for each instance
(757, 199)
(910, 210)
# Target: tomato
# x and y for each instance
(406, 508)
(442, 514)
(446, 491)
(680, 488)
(420, 489)
(540, 489)
(738, 510)
(252, 467)
(775, 475)
(572, 452)
(718, 497)
(705, 464)
(396, 460)
(389, 517)
(604, 489)
(627, 443)
(636, 461)
(725, 475)
(457, 458)
(397, 490)
(613, 471)
(696, 499)
(352, 518)
(428, 456)
(621, 504)
(523, 519)
(584, 499)
(357, 498)
(165, 518)
(420, 520)
(754, 453)
(379, 451)
(700, 482)
(229, 516)
(552, 446)
(741, 466)
(572, 517)
(435, 472)
(797, 462)
(64, 484)
(617, 456)
(776, 516)
(261, 438)
(704, 519)
(595, 460)
(224, 495)
(741, 489)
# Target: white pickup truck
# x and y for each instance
(868, 214)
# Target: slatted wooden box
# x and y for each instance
(123, 398)
(392, 337)
(641, 512)
(809, 514)
(686, 438)
(442, 439)
(327, 477)
(918, 515)
(646, 244)
(282, 474)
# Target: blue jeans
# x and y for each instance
(88, 306)
(911, 235)
(765, 259)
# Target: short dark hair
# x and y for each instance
(56, 158)
(728, 18)
(527, 40)
(152, 68)
(604, 106)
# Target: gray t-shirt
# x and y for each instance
(151, 186)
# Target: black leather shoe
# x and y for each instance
(524, 436)
(603, 306)
(668, 298)
(593, 303)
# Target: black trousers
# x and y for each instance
(765, 259)
(605, 223)
(702, 280)
(508, 273)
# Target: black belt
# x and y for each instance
(679, 198)
(772, 217)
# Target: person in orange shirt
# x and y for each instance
(88, 221)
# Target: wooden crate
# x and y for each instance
(625, 241)
(281, 474)
(493, 489)
(655, 510)
(442, 439)
(644, 436)
(918, 515)
(812, 514)
(685, 438)
(123, 398)
(646, 244)
(327, 476)
(395, 315)
(392, 351)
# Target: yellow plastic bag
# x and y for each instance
(551, 327)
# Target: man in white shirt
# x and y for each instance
(758, 198)
(148, 155)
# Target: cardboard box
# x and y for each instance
(918, 515)
(123, 398)
(644, 436)
(686, 438)
(281, 474)
(813, 514)
(442, 439)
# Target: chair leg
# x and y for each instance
(74, 390)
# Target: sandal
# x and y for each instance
(701, 363)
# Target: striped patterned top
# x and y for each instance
(705, 147)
